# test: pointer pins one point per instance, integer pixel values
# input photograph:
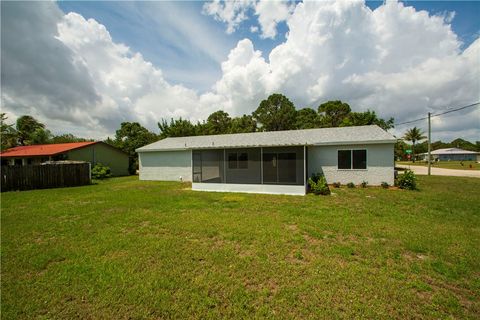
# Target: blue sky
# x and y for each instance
(153, 29)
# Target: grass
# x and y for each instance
(467, 165)
(131, 249)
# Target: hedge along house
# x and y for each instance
(278, 162)
(90, 151)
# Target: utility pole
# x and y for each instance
(429, 141)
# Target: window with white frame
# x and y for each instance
(352, 159)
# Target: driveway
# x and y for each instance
(442, 172)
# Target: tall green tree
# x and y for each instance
(275, 113)
(130, 137)
(414, 135)
(307, 118)
(219, 122)
(176, 128)
(27, 128)
(243, 124)
(8, 133)
(333, 113)
(67, 137)
(366, 118)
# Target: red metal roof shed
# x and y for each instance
(43, 149)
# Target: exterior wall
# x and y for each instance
(380, 164)
(99, 152)
(166, 165)
(250, 188)
(457, 157)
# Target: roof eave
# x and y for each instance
(342, 143)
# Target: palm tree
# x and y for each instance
(414, 135)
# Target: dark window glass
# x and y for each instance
(287, 167)
(243, 160)
(344, 159)
(359, 159)
(232, 161)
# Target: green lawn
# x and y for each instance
(131, 249)
(467, 165)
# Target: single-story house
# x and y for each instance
(272, 162)
(452, 154)
(91, 151)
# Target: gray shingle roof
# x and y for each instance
(324, 136)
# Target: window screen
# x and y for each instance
(344, 159)
(287, 168)
(243, 160)
(232, 160)
(359, 159)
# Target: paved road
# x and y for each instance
(442, 172)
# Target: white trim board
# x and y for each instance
(296, 190)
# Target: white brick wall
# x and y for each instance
(380, 164)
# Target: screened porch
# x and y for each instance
(254, 166)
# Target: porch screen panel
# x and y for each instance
(244, 166)
(283, 165)
(197, 166)
(208, 166)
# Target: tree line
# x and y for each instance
(275, 113)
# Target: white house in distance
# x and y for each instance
(452, 154)
(277, 162)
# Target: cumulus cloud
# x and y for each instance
(233, 13)
(400, 62)
(395, 60)
(64, 70)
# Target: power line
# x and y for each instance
(439, 114)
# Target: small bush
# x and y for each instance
(364, 184)
(100, 172)
(385, 185)
(336, 184)
(320, 186)
(407, 180)
(351, 185)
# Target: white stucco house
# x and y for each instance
(278, 162)
(451, 154)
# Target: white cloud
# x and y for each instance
(395, 60)
(233, 13)
(271, 13)
(230, 12)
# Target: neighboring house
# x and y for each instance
(452, 154)
(93, 152)
(272, 162)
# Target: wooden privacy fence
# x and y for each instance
(44, 176)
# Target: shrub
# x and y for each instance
(100, 172)
(364, 184)
(351, 185)
(385, 185)
(336, 184)
(407, 180)
(319, 186)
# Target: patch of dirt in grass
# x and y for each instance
(269, 286)
(311, 240)
(411, 256)
(291, 227)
